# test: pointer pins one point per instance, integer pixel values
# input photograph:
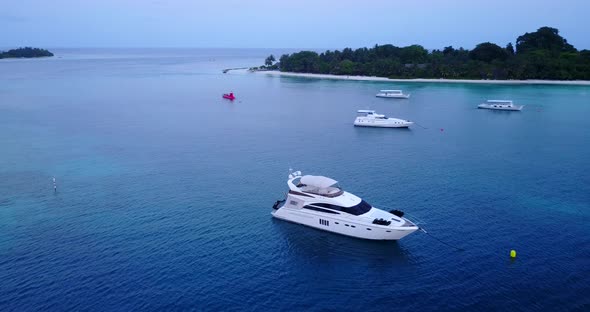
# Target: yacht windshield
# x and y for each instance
(361, 208)
(357, 210)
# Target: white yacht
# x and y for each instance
(395, 94)
(500, 105)
(368, 118)
(318, 202)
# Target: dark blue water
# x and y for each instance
(165, 190)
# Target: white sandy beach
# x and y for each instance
(368, 78)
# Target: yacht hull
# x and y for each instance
(378, 125)
(406, 96)
(343, 226)
(513, 108)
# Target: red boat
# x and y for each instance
(229, 96)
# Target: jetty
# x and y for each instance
(228, 69)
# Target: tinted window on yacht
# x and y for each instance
(320, 209)
(330, 206)
(357, 210)
(361, 208)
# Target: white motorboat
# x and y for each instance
(368, 118)
(500, 105)
(394, 94)
(318, 202)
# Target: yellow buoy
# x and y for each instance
(512, 253)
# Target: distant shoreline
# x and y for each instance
(369, 78)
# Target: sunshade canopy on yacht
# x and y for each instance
(318, 181)
(499, 101)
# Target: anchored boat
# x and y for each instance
(394, 94)
(368, 118)
(229, 96)
(319, 202)
(500, 105)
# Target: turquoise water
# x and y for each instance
(165, 189)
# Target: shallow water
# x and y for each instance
(165, 189)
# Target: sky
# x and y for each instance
(314, 24)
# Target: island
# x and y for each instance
(540, 55)
(26, 52)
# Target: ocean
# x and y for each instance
(164, 189)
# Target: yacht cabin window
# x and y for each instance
(357, 210)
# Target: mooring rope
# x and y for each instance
(441, 241)
(419, 125)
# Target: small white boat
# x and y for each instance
(319, 202)
(368, 118)
(394, 94)
(500, 105)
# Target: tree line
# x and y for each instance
(27, 52)
(542, 54)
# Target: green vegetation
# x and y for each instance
(25, 52)
(269, 60)
(543, 54)
(269, 64)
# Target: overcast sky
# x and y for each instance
(285, 24)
